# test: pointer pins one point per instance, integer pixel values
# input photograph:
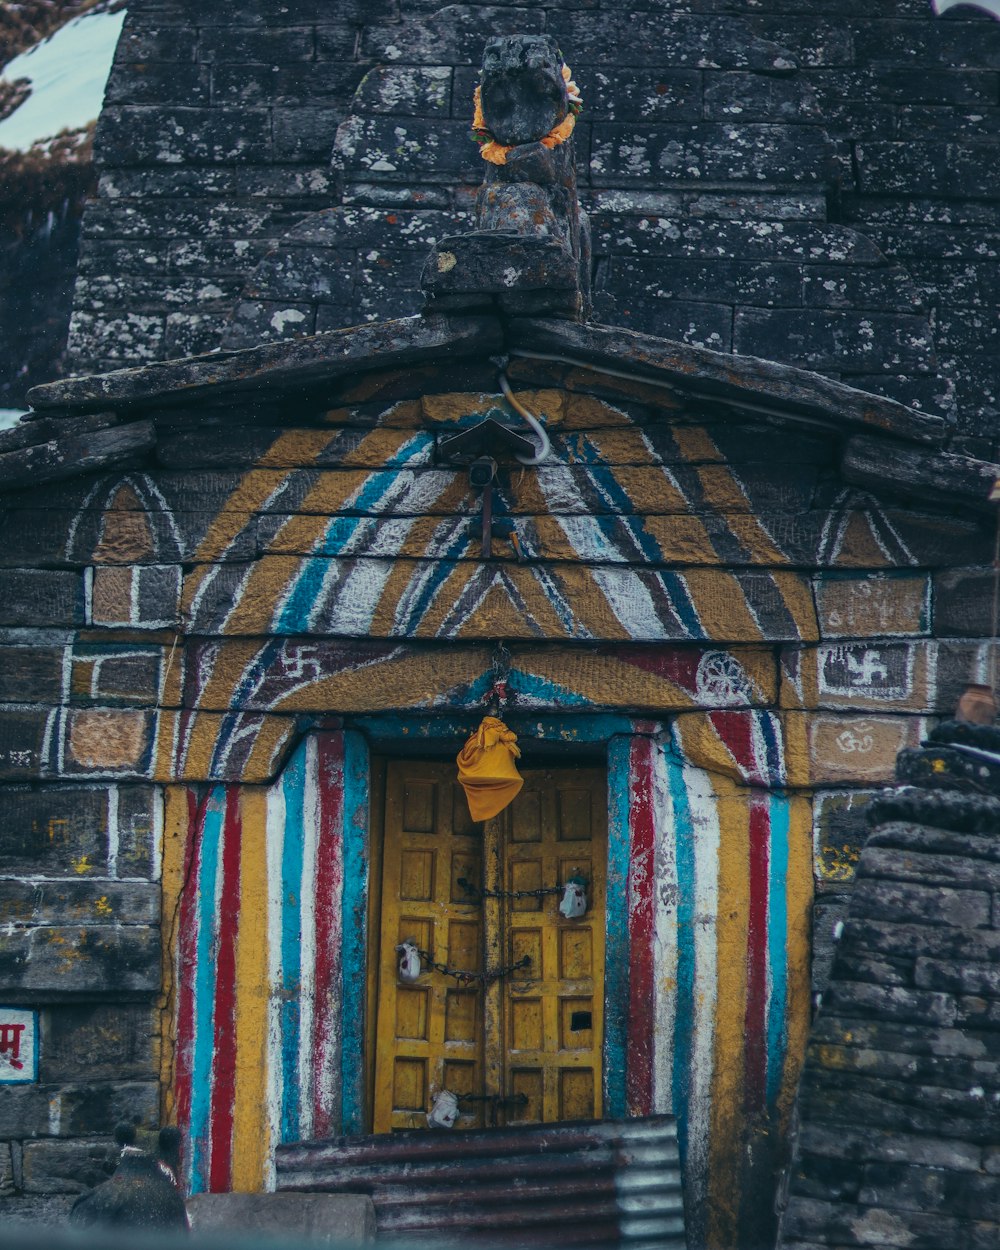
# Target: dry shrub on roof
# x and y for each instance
(13, 95)
(51, 177)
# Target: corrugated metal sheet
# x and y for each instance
(594, 1184)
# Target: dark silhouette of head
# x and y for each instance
(143, 1191)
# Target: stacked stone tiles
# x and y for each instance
(900, 1097)
(808, 182)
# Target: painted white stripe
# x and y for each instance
(307, 938)
(81, 513)
(589, 542)
(705, 819)
(635, 610)
(664, 939)
(158, 828)
(359, 595)
(112, 831)
(145, 486)
(275, 826)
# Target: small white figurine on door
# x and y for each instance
(444, 1112)
(409, 961)
(573, 903)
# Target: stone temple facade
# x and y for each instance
(253, 600)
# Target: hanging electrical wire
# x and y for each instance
(544, 446)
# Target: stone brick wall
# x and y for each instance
(809, 182)
(234, 553)
(899, 1097)
(80, 896)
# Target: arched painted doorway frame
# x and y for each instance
(707, 941)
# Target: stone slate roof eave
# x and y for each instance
(886, 445)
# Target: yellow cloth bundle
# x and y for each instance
(487, 770)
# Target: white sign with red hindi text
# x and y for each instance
(18, 1046)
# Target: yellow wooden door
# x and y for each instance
(554, 1009)
(524, 1048)
(429, 1034)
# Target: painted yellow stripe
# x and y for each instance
(797, 596)
(175, 831)
(695, 443)
(250, 1121)
(727, 1117)
(300, 447)
(721, 605)
(725, 493)
(377, 448)
(227, 668)
(795, 731)
(248, 497)
(420, 538)
(254, 611)
(327, 497)
(618, 447)
(406, 681)
(270, 749)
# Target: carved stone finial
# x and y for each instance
(530, 250)
(522, 91)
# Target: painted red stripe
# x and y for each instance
(642, 834)
(329, 880)
(736, 731)
(755, 1021)
(220, 1175)
(187, 944)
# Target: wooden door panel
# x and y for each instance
(558, 830)
(534, 1037)
(428, 1033)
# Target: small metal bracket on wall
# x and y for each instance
(480, 448)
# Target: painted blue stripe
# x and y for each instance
(607, 483)
(777, 944)
(204, 988)
(616, 982)
(772, 745)
(294, 615)
(534, 687)
(293, 785)
(355, 925)
(256, 671)
(684, 836)
(440, 573)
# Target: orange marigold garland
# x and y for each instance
(496, 153)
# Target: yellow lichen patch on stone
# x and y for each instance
(102, 906)
(446, 262)
(82, 865)
(837, 862)
(107, 739)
